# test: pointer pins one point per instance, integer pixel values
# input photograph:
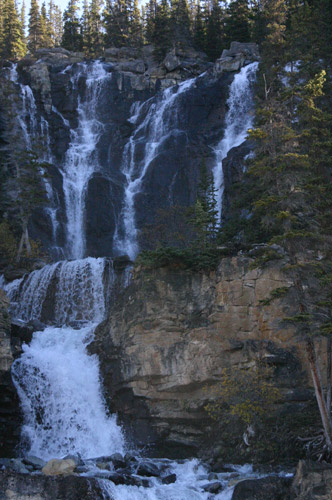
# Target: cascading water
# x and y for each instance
(82, 157)
(156, 121)
(57, 381)
(35, 130)
(239, 119)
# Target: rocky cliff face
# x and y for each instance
(169, 336)
(57, 81)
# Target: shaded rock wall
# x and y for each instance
(10, 415)
(172, 332)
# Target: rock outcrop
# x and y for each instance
(16, 486)
(169, 337)
(312, 481)
(10, 416)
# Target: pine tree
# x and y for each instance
(150, 19)
(86, 28)
(215, 34)
(23, 25)
(237, 22)
(199, 29)
(1, 25)
(35, 30)
(72, 37)
(13, 44)
(136, 28)
(96, 36)
(58, 26)
(51, 24)
(45, 39)
(180, 23)
(117, 23)
(161, 36)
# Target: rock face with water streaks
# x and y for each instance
(170, 335)
(92, 110)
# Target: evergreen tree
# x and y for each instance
(23, 25)
(35, 30)
(161, 36)
(96, 36)
(13, 44)
(72, 37)
(58, 26)
(199, 29)
(45, 39)
(50, 22)
(180, 23)
(136, 27)
(149, 20)
(215, 33)
(237, 25)
(117, 23)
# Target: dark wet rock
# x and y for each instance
(312, 481)
(17, 465)
(75, 457)
(35, 462)
(148, 469)
(214, 488)
(212, 476)
(118, 460)
(10, 412)
(171, 478)
(130, 457)
(16, 486)
(267, 488)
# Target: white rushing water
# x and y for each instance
(57, 381)
(35, 132)
(239, 119)
(157, 119)
(82, 157)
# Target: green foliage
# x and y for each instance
(186, 258)
(8, 242)
(246, 394)
(277, 293)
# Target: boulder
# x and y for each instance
(171, 62)
(214, 487)
(267, 488)
(312, 481)
(171, 478)
(36, 462)
(16, 486)
(249, 50)
(58, 467)
(148, 469)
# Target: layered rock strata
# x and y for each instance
(171, 334)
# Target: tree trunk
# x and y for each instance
(324, 414)
(329, 374)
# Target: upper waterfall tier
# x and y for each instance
(119, 151)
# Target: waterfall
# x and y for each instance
(57, 381)
(239, 119)
(35, 130)
(82, 157)
(156, 120)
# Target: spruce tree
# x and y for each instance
(237, 22)
(96, 38)
(13, 44)
(35, 30)
(72, 36)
